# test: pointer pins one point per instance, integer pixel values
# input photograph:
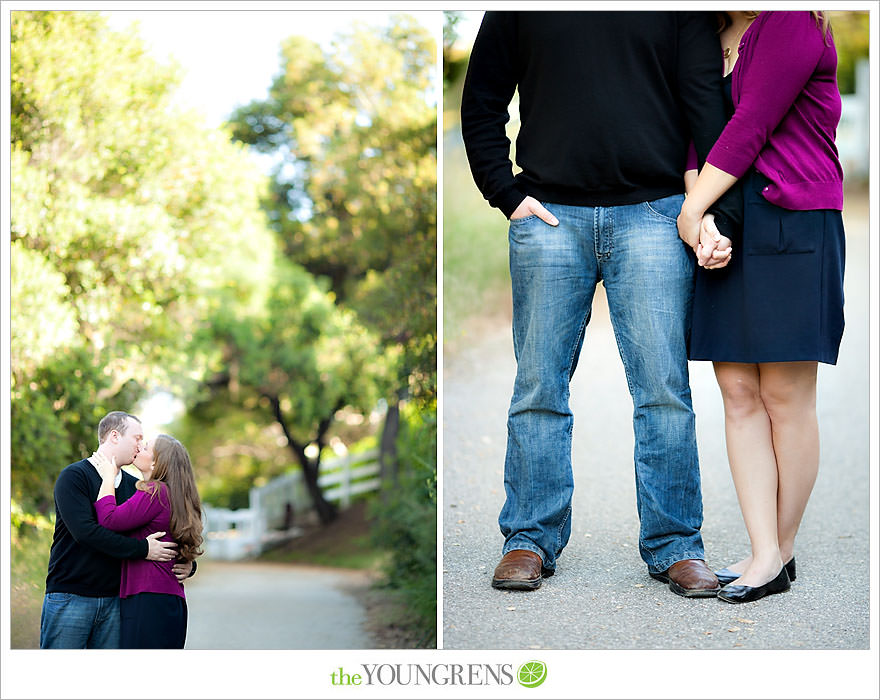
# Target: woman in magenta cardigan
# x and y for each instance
(152, 601)
(770, 313)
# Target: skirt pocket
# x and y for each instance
(772, 230)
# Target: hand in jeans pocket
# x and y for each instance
(532, 207)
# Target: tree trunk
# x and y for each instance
(327, 512)
(388, 443)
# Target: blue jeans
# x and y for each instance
(71, 621)
(648, 275)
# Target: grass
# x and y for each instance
(356, 553)
(29, 559)
(344, 543)
(475, 267)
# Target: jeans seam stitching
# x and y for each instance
(576, 343)
(657, 214)
(561, 526)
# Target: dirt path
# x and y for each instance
(255, 605)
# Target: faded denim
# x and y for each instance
(648, 274)
(70, 621)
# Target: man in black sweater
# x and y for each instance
(81, 605)
(608, 104)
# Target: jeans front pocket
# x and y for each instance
(535, 243)
(57, 601)
(523, 219)
(666, 208)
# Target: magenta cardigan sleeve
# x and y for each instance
(136, 512)
(787, 48)
(692, 162)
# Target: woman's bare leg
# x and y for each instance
(788, 390)
(750, 450)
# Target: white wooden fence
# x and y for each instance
(273, 508)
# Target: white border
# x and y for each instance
(285, 674)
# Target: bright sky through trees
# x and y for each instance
(230, 57)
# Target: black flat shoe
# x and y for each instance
(746, 594)
(726, 576)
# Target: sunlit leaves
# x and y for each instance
(353, 128)
(132, 225)
(151, 218)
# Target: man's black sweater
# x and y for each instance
(608, 103)
(85, 557)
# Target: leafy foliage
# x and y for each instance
(354, 188)
(298, 361)
(406, 517)
(146, 221)
(850, 32)
(142, 258)
(132, 224)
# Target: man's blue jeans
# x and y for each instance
(648, 274)
(71, 621)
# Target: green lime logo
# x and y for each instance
(531, 674)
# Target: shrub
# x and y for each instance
(406, 520)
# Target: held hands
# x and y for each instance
(714, 250)
(689, 224)
(106, 467)
(531, 206)
(158, 550)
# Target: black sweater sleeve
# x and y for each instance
(489, 86)
(74, 503)
(699, 80)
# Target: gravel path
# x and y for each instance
(255, 605)
(602, 596)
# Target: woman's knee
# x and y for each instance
(741, 392)
(788, 395)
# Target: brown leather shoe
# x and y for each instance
(520, 570)
(690, 578)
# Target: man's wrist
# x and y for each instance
(509, 201)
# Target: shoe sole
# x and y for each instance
(515, 584)
(686, 592)
(752, 600)
(518, 584)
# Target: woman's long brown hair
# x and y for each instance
(173, 467)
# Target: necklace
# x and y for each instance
(728, 50)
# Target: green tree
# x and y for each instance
(850, 31)
(132, 225)
(453, 65)
(353, 131)
(300, 361)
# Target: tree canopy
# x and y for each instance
(353, 131)
(142, 259)
(139, 220)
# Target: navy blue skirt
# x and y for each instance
(152, 621)
(780, 299)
